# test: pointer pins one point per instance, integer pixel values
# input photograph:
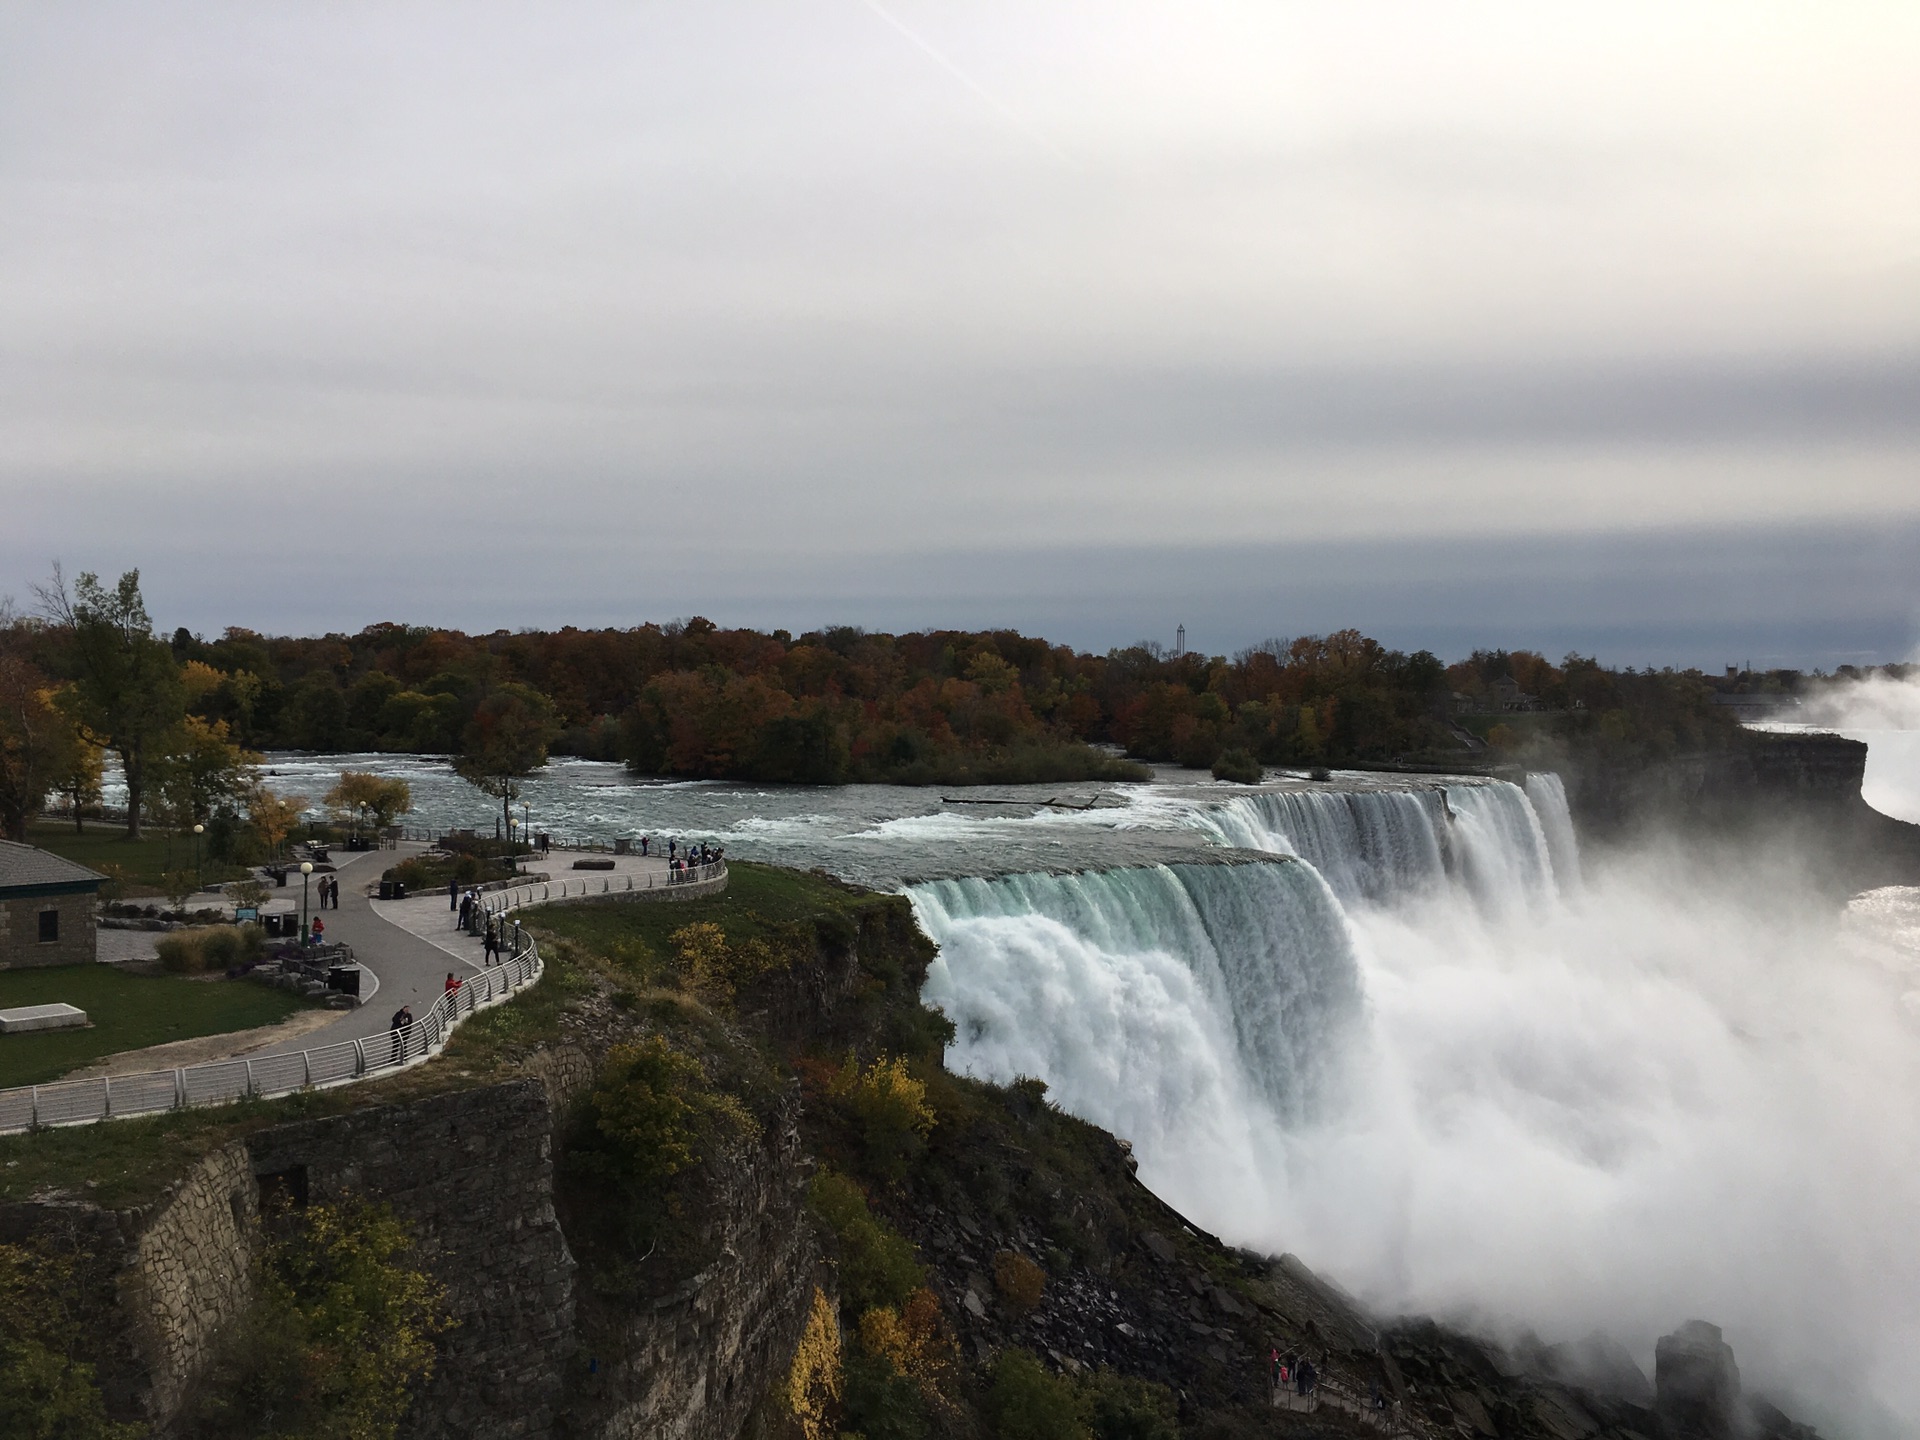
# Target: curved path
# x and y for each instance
(410, 945)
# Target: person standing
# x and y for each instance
(402, 1022)
(453, 894)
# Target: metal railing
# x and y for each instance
(586, 844)
(219, 1082)
(497, 903)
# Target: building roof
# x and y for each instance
(22, 867)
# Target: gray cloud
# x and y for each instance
(749, 290)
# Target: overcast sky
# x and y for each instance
(1089, 318)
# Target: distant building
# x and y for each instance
(46, 908)
(1508, 696)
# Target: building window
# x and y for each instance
(49, 926)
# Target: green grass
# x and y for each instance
(141, 864)
(129, 1012)
(758, 901)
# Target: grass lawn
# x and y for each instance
(139, 864)
(129, 1012)
(758, 900)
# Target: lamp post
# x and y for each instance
(306, 879)
(197, 831)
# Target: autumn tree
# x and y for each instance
(372, 800)
(274, 816)
(39, 749)
(506, 741)
(200, 770)
(127, 688)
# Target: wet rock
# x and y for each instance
(973, 1305)
(1158, 1246)
(1696, 1385)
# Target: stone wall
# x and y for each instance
(190, 1275)
(472, 1174)
(20, 931)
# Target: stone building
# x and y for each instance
(46, 908)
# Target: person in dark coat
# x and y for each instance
(402, 1019)
(453, 894)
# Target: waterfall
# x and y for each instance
(1149, 999)
(1549, 799)
(1505, 844)
(1368, 844)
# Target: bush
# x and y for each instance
(1119, 1407)
(890, 1107)
(1238, 765)
(815, 1379)
(211, 947)
(653, 1115)
(880, 1403)
(877, 1267)
(45, 1393)
(712, 969)
(1028, 1403)
(1020, 1282)
(343, 1330)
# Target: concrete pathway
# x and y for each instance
(410, 945)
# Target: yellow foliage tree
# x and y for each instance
(712, 968)
(813, 1380)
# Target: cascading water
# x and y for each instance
(1084, 980)
(1368, 844)
(1548, 795)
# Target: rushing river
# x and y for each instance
(1405, 1029)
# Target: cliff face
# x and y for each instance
(1798, 791)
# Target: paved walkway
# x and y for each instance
(410, 945)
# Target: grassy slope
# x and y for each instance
(129, 1012)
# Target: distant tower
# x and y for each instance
(1180, 641)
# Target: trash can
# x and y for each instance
(386, 889)
(344, 978)
(399, 889)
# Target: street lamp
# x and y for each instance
(197, 831)
(306, 878)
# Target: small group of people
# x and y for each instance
(680, 864)
(1293, 1372)
(329, 888)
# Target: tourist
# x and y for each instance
(453, 983)
(491, 945)
(672, 847)
(319, 930)
(402, 1022)
(644, 841)
(453, 894)
(466, 909)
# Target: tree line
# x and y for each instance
(182, 714)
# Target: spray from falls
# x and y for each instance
(1403, 1056)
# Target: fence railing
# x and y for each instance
(497, 903)
(106, 1097)
(587, 844)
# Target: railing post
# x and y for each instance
(180, 1088)
(33, 1107)
(106, 1096)
(307, 1056)
(250, 1089)
(359, 1057)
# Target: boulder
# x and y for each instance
(1696, 1385)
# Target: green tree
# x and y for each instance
(506, 741)
(343, 1331)
(127, 686)
(45, 1392)
(200, 770)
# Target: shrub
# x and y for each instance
(1120, 1407)
(653, 1114)
(1020, 1282)
(343, 1330)
(814, 1379)
(211, 947)
(877, 1267)
(1238, 765)
(45, 1393)
(881, 1403)
(1027, 1403)
(890, 1107)
(712, 968)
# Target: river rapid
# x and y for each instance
(1404, 1028)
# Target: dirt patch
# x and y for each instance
(202, 1048)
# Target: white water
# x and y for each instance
(1457, 1092)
